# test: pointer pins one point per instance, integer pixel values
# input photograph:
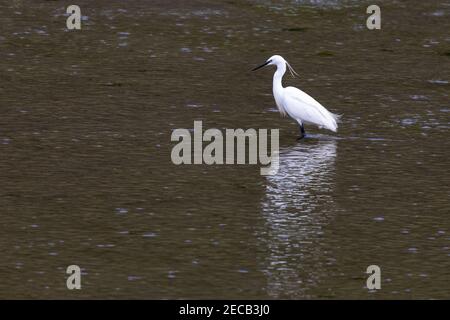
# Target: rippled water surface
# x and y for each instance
(86, 177)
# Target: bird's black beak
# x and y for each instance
(263, 65)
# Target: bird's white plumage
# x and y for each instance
(301, 106)
(298, 104)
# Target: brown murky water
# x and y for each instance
(86, 176)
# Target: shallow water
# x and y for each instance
(85, 124)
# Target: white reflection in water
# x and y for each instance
(297, 204)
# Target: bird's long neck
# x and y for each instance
(278, 76)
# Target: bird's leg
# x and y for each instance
(302, 131)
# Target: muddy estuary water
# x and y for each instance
(86, 118)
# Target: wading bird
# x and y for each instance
(297, 104)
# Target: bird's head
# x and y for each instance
(279, 62)
(273, 60)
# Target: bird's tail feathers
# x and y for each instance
(337, 117)
(333, 124)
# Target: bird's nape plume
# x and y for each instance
(292, 71)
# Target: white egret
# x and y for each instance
(297, 104)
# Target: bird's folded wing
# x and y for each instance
(302, 106)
